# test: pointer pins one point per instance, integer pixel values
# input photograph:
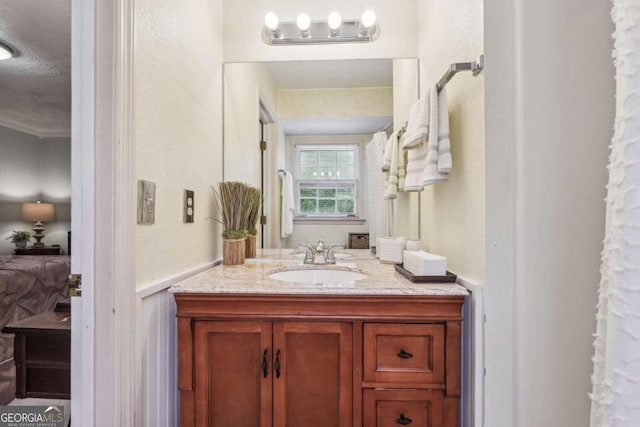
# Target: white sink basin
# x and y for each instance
(317, 276)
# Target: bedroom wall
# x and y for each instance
(34, 169)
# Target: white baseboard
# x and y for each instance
(150, 289)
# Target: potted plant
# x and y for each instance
(20, 238)
(252, 207)
(230, 200)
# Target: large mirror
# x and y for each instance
(316, 120)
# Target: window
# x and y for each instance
(326, 180)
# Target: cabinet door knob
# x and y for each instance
(404, 420)
(264, 364)
(404, 355)
(276, 366)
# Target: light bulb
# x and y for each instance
(303, 21)
(271, 21)
(334, 20)
(368, 18)
(5, 52)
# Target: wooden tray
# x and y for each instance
(448, 278)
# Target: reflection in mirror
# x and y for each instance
(316, 119)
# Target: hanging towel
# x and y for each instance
(288, 206)
(444, 144)
(386, 158)
(402, 162)
(391, 190)
(418, 124)
(416, 148)
(430, 174)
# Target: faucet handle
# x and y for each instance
(310, 254)
(329, 254)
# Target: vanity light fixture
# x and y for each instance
(333, 30)
(334, 21)
(368, 21)
(6, 52)
(271, 22)
(304, 22)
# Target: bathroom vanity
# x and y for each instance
(380, 351)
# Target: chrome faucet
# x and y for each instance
(319, 248)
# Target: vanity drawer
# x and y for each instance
(387, 408)
(404, 353)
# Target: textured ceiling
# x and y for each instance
(35, 86)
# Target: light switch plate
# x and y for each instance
(188, 206)
(146, 202)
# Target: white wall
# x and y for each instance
(34, 169)
(178, 131)
(244, 21)
(453, 214)
(178, 137)
(245, 84)
(549, 118)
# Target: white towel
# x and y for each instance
(386, 158)
(444, 144)
(402, 163)
(391, 189)
(430, 174)
(416, 147)
(288, 206)
(418, 124)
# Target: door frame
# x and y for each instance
(103, 376)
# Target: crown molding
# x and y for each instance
(32, 130)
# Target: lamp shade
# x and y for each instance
(38, 212)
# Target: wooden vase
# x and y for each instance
(234, 251)
(250, 251)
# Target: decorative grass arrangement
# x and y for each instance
(254, 202)
(253, 205)
(231, 200)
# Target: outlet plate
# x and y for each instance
(188, 206)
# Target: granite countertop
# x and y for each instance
(252, 277)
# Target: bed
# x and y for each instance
(28, 285)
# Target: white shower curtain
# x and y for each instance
(616, 375)
(378, 209)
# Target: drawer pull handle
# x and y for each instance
(404, 420)
(276, 367)
(264, 364)
(404, 355)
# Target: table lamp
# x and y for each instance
(38, 212)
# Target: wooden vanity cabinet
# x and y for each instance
(319, 361)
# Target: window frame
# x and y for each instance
(358, 141)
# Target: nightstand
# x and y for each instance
(38, 250)
(42, 354)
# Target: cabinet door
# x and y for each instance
(314, 384)
(231, 388)
(394, 408)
